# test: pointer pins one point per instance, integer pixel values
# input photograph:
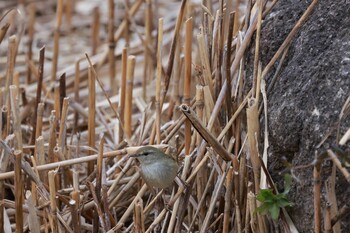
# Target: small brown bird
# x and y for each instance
(157, 168)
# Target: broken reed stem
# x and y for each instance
(40, 157)
(204, 132)
(56, 42)
(187, 80)
(111, 48)
(56, 106)
(128, 96)
(159, 77)
(139, 219)
(52, 136)
(92, 113)
(31, 30)
(16, 117)
(253, 139)
(75, 216)
(18, 191)
(317, 194)
(95, 32)
(62, 133)
(53, 205)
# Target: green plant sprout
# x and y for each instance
(272, 202)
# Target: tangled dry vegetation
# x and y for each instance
(85, 83)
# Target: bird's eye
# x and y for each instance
(145, 153)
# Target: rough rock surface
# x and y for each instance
(306, 101)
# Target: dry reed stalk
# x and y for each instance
(18, 191)
(69, 7)
(31, 31)
(122, 93)
(76, 91)
(75, 216)
(187, 79)
(289, 38)
(139, 219)
(40, 157)
(63, 92)
(204, 132)
(59, 11)
(253, 139)
(227, 73)
(317, 195)
(39, 120)
(255, 88)
(56, 106)
(129, 210)
(62, 133)
(228, 194)
(33, 220)
(111, 48)
(203, 54)
(219, 46)
(52, 136)
(339, 165)
(16, 119)
(95, 30)
(158, 80)
(148, 62)
(173, 46)
(128, 96)
(11, 58)
(92, 113)
(213, 200)
(133, 10)
(53, 206)
(332, 198)
(3, 31)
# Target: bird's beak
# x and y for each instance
(134, 155)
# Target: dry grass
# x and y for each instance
(110, 79)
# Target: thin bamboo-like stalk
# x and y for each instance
(255, 88)
(52, 136)
(18, 191)
(111, 47)
(53, 211)
(159, 77)
(128, 96)
(33, 220)
(122, 93)
(92, 113)
(56, 106)
(187, 80)
(95, 33)
(148, 63)
(62, 133)
(327, 219)
(59, 11)
(31, 30)
(174, 43)
(40, 157)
